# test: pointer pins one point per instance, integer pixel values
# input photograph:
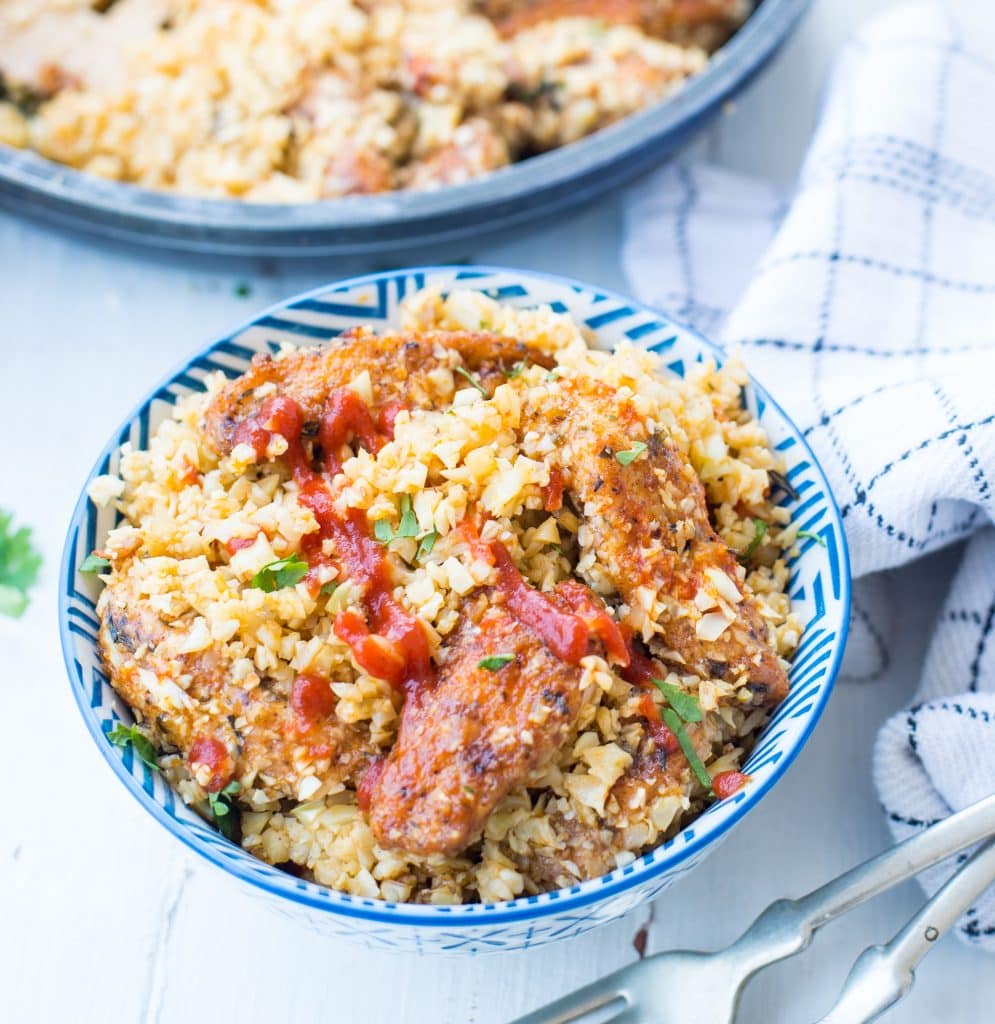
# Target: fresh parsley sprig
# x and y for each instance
(222, 806)
(406, 528)
(684, 707)
(19, 565)
(817, 537)
(427, 543)
(631, 454)
(495, 662)
(684, 703)
(131, 736)
(94, 564)
(473, 380)
(284, 572)
(759, 532)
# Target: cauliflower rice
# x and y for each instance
(180, 501)
(295, 100)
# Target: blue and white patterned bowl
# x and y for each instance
(820, 592)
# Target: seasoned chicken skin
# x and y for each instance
(647, 525)
(403, 368)
(224, 731)
(474, 736)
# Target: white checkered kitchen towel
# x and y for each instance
(866, 303)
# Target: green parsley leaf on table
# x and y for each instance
(130, 735)
(19, 565)
(285, 572)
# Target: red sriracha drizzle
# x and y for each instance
(565, 619)
(311, 700)
(391, 644)
(206, 750)
(552, 493)
(368, 783)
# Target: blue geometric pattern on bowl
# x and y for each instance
(819, 589)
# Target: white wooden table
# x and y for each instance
(104, 917)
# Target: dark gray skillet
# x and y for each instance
(379, 224)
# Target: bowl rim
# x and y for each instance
(647, 867)
(375, 223)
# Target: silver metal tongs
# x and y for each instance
(654, 990)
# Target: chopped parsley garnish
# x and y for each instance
(243, 290)
(676, 726)
(19, 565)
(760, 531)
(684, 703)
(408, 526)
(427, 543)
(330, 587)
(631, 454)
(516, 370)
(817, 537)
(494, 662)
(683, 707)
(383, 531)
(473, 380)
(285, 572)
(94, 564)
(222, 807)
(130, 735)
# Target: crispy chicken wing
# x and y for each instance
(475, 735)
(191, 702)
(402, 367)
(647, 526)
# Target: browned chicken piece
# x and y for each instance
(271, 740)
(474, 736)
(647, 524)
(45, 47)
(705, 23)
(402, 368)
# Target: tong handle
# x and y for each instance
(884, 974)
(787, 926)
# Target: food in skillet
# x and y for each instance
(296, 100)
(455, 613)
